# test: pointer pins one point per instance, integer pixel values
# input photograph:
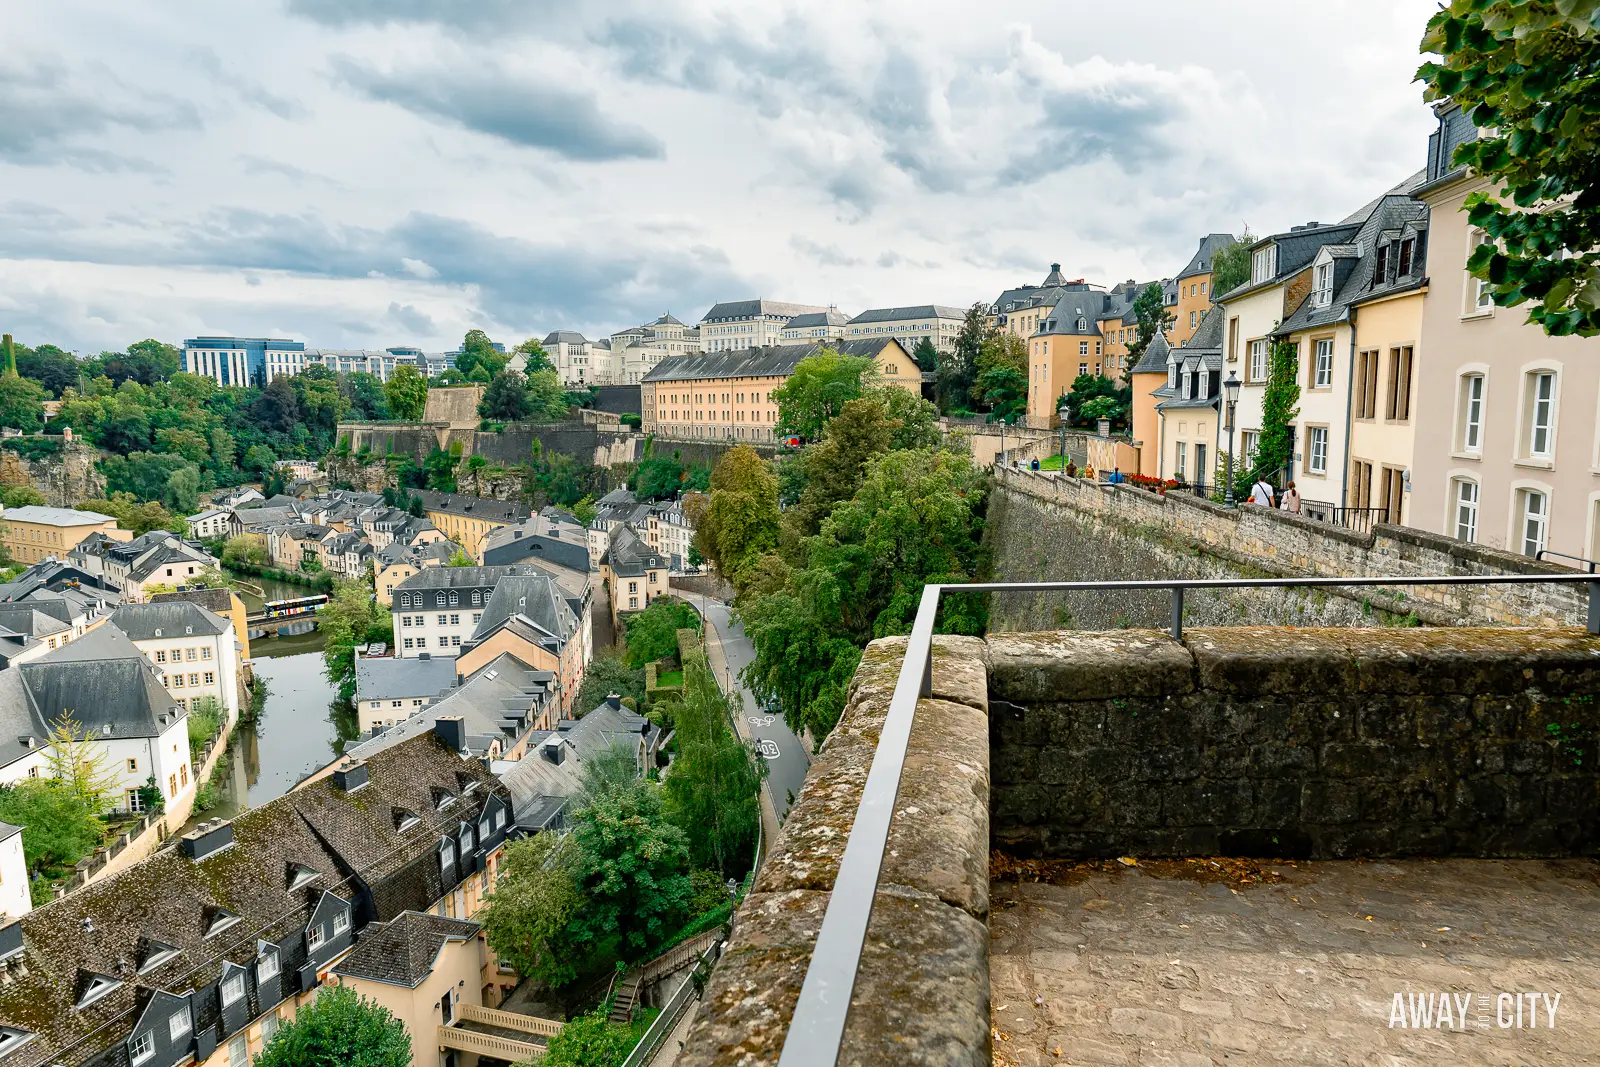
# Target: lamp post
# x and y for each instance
(1231, 388)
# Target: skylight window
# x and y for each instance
(12, 1039)
(220, 921)
(98, 986)
(300, 875)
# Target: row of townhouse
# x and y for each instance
(1421, 402)
(629, 357)
(350, 534)
(365, 877)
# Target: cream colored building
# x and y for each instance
(815, 326)
(635, 352)
(577, 359)
(1507, 446)
(728, 396)
(34, 532)
(909, 325)
(194, 650)
(735, 325)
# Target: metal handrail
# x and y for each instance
(816, 1030)
(1590, 565)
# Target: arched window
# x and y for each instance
(477, 598)
(1083, 324)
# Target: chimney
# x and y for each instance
(10, 940)
(452, 730)
(209, 838)
(613, 701)
(554, 751)
(351, 776)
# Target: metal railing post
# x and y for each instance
(1177, 613)
(1594, 608)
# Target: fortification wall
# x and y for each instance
(1044, 527)
(455, 405)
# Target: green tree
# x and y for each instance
(459, 558)
(17, 496)
(741, 517)
(820, 386)
(532, 350)
(632, 865)
(130, 514)
(21, 403)
(9, 348)
(546, 399)
(182, 492)
(82, 765)
(1527, 72)
(607, 674)
(652, 634)
(1151, 314)
(713, 788)
(926, 355)
(59, 829)
(1230, 265)
(441, 468)
(365, 394)
(506, 399)
(278, 407)
(914, 421)
(590, 1040)
(190, 444)
(1089, 387)
(1279, 408)
(248, 548)
(658, 477)
(339, 1028)
(584, 510)
(527, 916)
(352, 617)
(259, 459)
(831, 470)
(407, 393)
(958, 368)
(51, 367)
(479, 356)
(1004, 391)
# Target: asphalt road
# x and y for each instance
(787, 760)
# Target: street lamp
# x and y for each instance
(1231, 389)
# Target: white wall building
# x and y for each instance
(735, 324)
(194, 650)
(909, 325)
(15, 899)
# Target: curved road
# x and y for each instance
(729, 651)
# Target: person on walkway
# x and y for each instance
(1262, 493)
(1290, 501)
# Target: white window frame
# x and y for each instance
(1480, 302)
(314, 937)
(267, 967)
(1523, 494)
(1314, 463)
(1469, 432)
(341, 922)
(142, 1047)
(178, 1024)
(1322, 369)
(1540, 405)
(1180, 460)
(1322, 284)
(233, 988)
(1263, 264)
(1258, 373)
(1465, 529)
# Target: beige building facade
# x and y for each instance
(34, 532)
(909, 325)
(1507, 446)
(735, 325)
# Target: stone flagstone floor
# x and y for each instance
(1138, 967)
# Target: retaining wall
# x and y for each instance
(1045, 527)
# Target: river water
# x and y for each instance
(302, 725)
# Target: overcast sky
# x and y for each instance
(365, 173)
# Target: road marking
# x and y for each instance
(760, 720)
(768, 749)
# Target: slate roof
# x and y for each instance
(460, 577)
(540, 537)
(536, 598)
(102, 681)
(392, 677)
(1084, 304)
(402, 951)
(48, 516)
(473, 507)
(1353, 267)
(1297, 248)
(565, 337)
(218, 601)
(1200, 262)
(768, 361)
(538, 777)
(265, 516)
(27, 619)
(916, 311)
(498, 703)
(812, 319)
(630, 557)
(728, 310)
(1154, 359)
(351, 842)
(1210, 333)
(167, 618)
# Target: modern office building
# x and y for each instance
(243, 360)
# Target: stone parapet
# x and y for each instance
(922, 993)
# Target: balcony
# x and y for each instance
(502, 1034)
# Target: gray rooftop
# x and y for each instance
(392, 677)
(47, 516)
(915, 311)
(499, 702)
(473, 507)
(1200, 262)
(553, 768)
(402, 952)
(103, 682)
(167, 618)
(729, 310)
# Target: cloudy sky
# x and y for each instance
(378, 172)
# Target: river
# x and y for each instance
(302, 724)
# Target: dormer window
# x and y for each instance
(95, 987)
(405, 820)
(300, 876)
(219, 921)
(12, 1039)
(313, 937)
(155, 954)
(1380, 270)
(442, 799)
(267, 964)
(341, 922)
(1264, 264)
(1408, 248)
(447, 859)
(233, 988)
(1322, 284)
(141, 1047)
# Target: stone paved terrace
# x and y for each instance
(1156, 967)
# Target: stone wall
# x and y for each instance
(1042, 527)
(1300, 743)
(922, 994)
(455, 405)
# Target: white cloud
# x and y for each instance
(358, 172)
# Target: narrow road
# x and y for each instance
(729, 651)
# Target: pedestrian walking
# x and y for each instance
(1290, 502)
(1262, 493)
